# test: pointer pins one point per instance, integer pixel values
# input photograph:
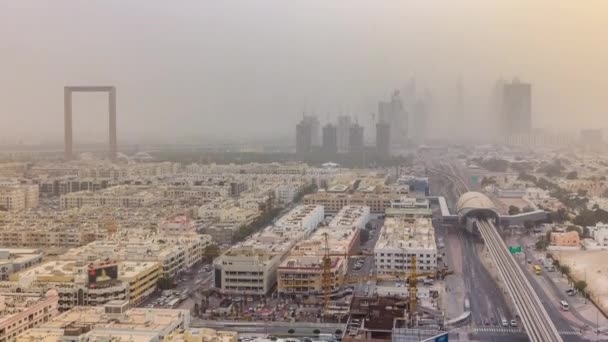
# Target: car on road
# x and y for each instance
(570, 292)
(513, 323)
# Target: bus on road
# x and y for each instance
(537, 269)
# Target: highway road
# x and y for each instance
(486, 299)
(536, 320)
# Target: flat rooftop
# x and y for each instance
(134, 319)
(12, 303)
(350, 216)
(399, 232)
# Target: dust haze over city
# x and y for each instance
(192, 71)
(303, 171)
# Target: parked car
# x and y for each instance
(513, 323)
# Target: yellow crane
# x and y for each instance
(412, 278)
(328, 281)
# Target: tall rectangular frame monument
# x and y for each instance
(67, 103)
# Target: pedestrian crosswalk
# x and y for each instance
(503, 330)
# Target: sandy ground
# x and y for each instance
(591, 266)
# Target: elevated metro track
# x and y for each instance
(535, 319)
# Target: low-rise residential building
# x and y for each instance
(400, 240)
(49, 237)
(222, 233)
(89, 284)
(16, 259)
(177, 225)
(565, 239)
(351, 216)
(302, 270)
(20, 311)
(175, 253)
(285, 193)
(599, 233)
(249, 267)
(19, 197)
(58, 186)
(122, 196)
(334, 202)
(114, 321)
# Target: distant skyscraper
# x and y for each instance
(304, 136)
(315, 128)
(394, 114)
(343, 129)
(383, 139)
(330, 139)
(516, 108)
(355, 139)
(496, 119)
(420, 120)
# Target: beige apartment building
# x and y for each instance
(20, 197)
(114, 321)
(20, 311)
(334, 202)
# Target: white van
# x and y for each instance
(564, 305)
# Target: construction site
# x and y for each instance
(328, 274)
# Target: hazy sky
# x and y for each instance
(248, 68)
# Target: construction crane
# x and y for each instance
(328, 281)
(412, 277)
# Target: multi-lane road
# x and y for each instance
(540, 320)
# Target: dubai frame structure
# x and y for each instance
(67, 103)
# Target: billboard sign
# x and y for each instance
(102, 273)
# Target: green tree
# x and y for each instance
(513, 210)
(581, 286)
(165, 282)
(564, 269)
(541, 245)
(528, 224)
(526, 177)
(574, 229)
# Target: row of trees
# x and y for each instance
(579, 285)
